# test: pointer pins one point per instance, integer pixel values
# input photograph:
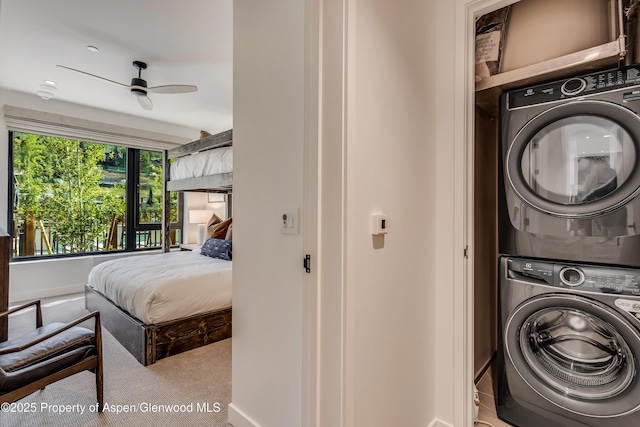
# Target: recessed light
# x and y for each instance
(50, 82)
(92, 48)
(49, 87)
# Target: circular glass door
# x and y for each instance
(576, 353)
(577, 159)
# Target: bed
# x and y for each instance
(141, 304)
(203, 165)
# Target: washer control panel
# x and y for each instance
(577, 86)
(573, 86)
(614, 280)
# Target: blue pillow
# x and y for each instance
(217, 248)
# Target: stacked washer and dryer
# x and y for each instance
(569, 243)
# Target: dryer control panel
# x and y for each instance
(585, 277)
(587, 84)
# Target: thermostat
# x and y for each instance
(379, 224)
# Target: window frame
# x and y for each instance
(131, 214)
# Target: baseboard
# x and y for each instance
(435, 423)
(237, 418)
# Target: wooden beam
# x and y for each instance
(206, 143)
(221, 182)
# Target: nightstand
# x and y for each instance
(189, 246)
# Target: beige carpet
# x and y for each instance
(192, 388)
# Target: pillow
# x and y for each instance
(215, 219)
(219, 231)
(229, 233)
(217, 248)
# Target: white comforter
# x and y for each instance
(168, 286)
(204, 163)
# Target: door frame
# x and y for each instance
(465, 15)
(310, 226)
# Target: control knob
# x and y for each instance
(571, 276)
(573, 86)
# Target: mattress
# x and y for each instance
(168, 286)
(203, 163)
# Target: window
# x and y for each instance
(79, 197)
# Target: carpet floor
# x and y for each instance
(191, 388)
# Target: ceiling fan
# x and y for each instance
(139, 86)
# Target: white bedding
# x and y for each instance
(204, 163)
(168, 286)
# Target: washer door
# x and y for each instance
(577, 160)
(577, 353)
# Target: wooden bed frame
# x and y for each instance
(150, 343)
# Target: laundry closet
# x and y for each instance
(524, 44)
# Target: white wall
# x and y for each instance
(29, 280)
(268, 155)
(44, 278)
(391, 168)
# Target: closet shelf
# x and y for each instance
(598, 57)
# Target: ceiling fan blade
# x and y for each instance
(145, 102)
(93, 75)
(172, 89)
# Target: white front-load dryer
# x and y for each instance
(569, 344)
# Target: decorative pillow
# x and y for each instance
(217, 248)
(215, 219)
(229, 235)
(219, 231)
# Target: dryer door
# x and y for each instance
(577, 160)
(577, 353)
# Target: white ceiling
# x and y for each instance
(183, 42)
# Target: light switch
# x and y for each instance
(379, 224)
(289, 220)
